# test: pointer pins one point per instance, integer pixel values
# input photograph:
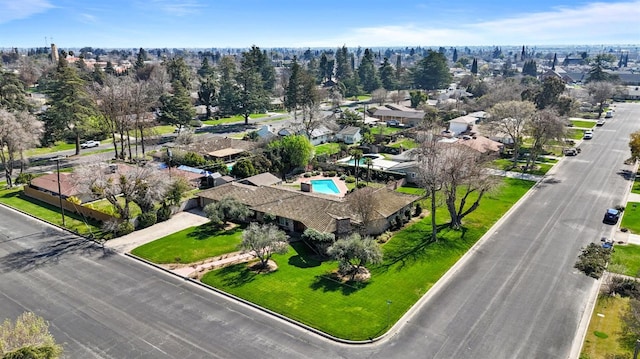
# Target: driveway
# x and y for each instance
(178, 222)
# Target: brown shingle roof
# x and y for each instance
(314, 211)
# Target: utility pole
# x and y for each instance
(57, 159)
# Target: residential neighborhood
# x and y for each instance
(358, 197)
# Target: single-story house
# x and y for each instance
(49, 184)
(266, 132)
(296, 211)
(349, 135)
(321, 135)
(262, 179)
(462, 124)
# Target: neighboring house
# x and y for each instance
(49, 184)
(296, 211)
(349, 135)
(321, 135)
(481, 144)
(399, 114)
(221, 147)
(462, 124)
(262, 179)
(266, 132)
(628, 93)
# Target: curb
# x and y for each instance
(257, 307)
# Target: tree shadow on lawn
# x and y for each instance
(50, 252)
(417, 250)
(331, 283)
(237, 275)
(208, 230)
(304, 258)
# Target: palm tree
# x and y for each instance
(356, 155)
(368, 161)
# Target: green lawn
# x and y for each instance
(327, 148)
(385, 130)
(585, 124)
(105, 206)
(636, 185)
(303, 288)
(631, 217)
(14, 198)
(237, 118)
(411, 190)
(575, 134)
(601, 340)
(163, 130)
(58, 146)
(407, 143)
(625, 259)
(543, 165)
(191, 245)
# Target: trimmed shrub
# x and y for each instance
(163, 214)
(24, 178)
(349, 179)
(362, 185)
(418, 209)
(147, 219)
(124, 228)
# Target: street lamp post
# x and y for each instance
(57, 159)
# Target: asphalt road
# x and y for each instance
(517, 296)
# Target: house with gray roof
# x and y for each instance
(349, 135)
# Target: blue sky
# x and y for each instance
(315, 23)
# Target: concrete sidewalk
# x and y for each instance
(178, 222)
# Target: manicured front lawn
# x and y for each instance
(411, 190)
(543, 165)
(625, 259)
(631, 217)
(327, 149)
(58, 146)
(303, 288)
(575, 134)
(602, 336)
(585, 124)
(191, 245)
(14, 198)
(237, 118)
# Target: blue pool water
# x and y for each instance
(325, 186)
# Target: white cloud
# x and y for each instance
(595, 23)
(20, 9)
(88, 18)
(177, 7)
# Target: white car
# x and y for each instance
(90, 144)
(588, 134)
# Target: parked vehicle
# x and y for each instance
(90, 144)
(573, 151)
(588, 134)
(611, 216)
(600, 122)
(608, 114)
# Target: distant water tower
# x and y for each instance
(54, 53)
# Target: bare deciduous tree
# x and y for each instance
(599, 92)
(379, 96)
(464, 178)
(18, 131)
(363, 203)
(398, 96)
(511, 118)
(143, 185)
(544, 127)
(430, 166)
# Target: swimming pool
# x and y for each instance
(325, 186)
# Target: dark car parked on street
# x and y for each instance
(611, 216)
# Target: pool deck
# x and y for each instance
(342, 187)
